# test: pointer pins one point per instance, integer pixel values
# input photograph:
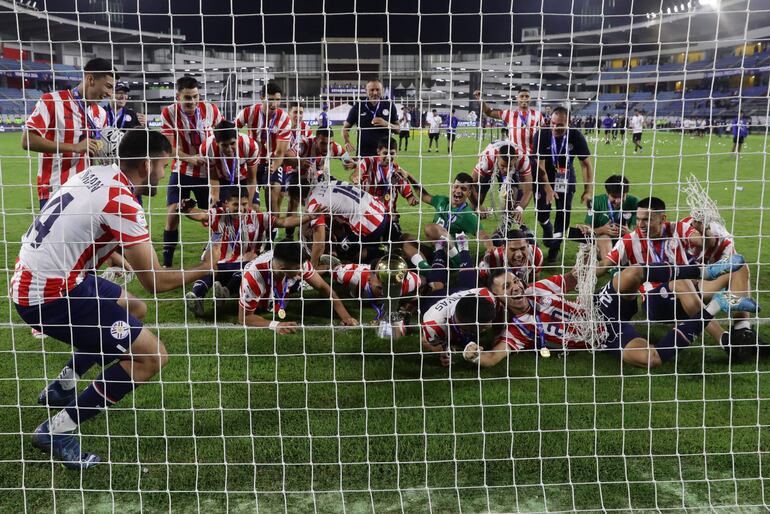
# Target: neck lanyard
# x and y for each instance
(555, 153)
(268, 127)
(383, 177)
(237, 239)
(115, 116)
(538, 337)
(612, 211)
(659, 256)
(282, 297)
(376, 108)
(378, 307)
(453, 214)
(523, 121)
(83, 107)
(196, 128)
(232, 166)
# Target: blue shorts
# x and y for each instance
(661, 305)
(88, 318)
(265, 177)
(617, 313)
(180, 187)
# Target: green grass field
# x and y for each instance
(329, 419)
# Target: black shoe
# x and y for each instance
(553, 255)
(168, 259)
(741, 345)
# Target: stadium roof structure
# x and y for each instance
(30, 24)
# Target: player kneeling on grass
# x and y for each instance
(268, 281)
(612, 215)
(542, 316)
(55, 291)
(240, 232)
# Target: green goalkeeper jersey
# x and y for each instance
(461, 219)
(602, 213)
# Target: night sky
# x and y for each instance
(271, 23)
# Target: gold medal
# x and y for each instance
(281, 313)
(387, 198)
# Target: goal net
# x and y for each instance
(672, 97)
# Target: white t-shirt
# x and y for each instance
(637, 123)
(405, 121)
(435, 123)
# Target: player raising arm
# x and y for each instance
(55, 291)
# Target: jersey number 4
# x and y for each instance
(51, 213)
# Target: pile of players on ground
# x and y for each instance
(684, 272)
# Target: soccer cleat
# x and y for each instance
(63, 448)
(194, 303)
(329, 260)
(729, 302)
(54, 395)
(741, 345)
(37, 334)
(220, 291)
(728, 264)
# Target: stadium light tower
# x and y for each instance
(711, 4)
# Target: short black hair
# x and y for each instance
(616, 185)
(324, 132)
(463, 178)
(561, 110)
(138, 145)
(523, 90)
(453, 110)
(225, 131)
(387, 142)
(289, 253)
(292, 105)
(506, 152)
(494, 273)
(515, 234)
(99, 68)
(434, 110)
(231, 193)
(271, 88)
(653, 203)
(472, 309)
(186, 82)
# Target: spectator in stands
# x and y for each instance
(65, 127)
(405, 123)
(121, 116)
(376, 118)
(740, 130)
(323, 117)
(451, 131)
(557, 149)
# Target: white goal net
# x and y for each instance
(365, 171)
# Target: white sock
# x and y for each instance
(742, 325)
(713, 308)
(453, 252)
(417, 259)
(62, 423)
(68, 379)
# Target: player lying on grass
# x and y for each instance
(513, 170)
(542, 315)
(54, 289)
(240, 232)
(355, 222)
(268, 281)
(520, 256)
(231, 161)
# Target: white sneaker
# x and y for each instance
(194, 303)
(117, 275)
(38, 334)
(220, 291)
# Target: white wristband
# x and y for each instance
(274, 324)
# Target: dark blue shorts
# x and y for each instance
(265, 177)
(617, 313)
(660, 305)
(181, 187)
(89, 318)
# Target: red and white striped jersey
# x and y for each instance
(522, 128)
(189, 132)
(344, 202)
(307, 151)
(59, 117)
(238, 234)
(497, 258)
(437, 321)
(672, 247)
(722, 243)
(267, 130)
(98, 213)
(550, 313)
(299, 133)
(257, 289)
(487, 164)
(383, 181)
(356, 276)
(230, 170)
